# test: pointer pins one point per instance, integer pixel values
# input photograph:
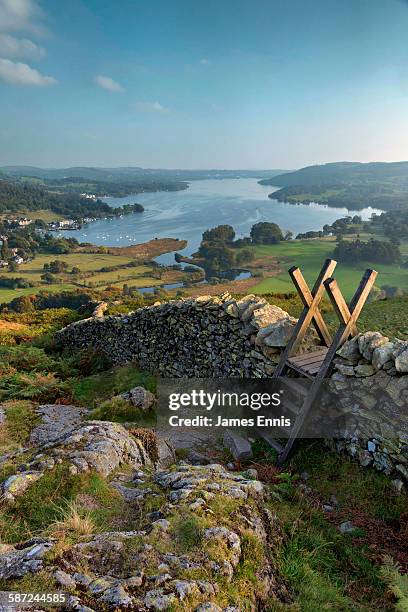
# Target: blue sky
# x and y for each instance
(203, 83)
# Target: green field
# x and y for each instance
(86, 262)
(309, 255)
(6, 295)
(117, 275)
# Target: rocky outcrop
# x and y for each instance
(27, 558)
(99, 446)
(195, 337)
(148, 569)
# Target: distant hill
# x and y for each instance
(130, 173)
(350, 185)
(344, 173)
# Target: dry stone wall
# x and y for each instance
(223, 337)
(196, 337)
(371, 378)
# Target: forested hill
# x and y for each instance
(344, 173)
(351, 185)
(24, 197)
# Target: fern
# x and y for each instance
(396, 582)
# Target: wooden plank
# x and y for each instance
(308, 358)
(348, 324)
(291, 406)
(307, 298)
(299, 370)
(305, 317)
(295, 386)
(311, 301)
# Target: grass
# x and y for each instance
(66, 504)
(20, 420)
(310, 255)
(74, 522)
(383, 315)
(6, 295)
(93, 390)
(324, 568)
(353, 486)
(86, 262)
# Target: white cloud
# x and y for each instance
(204, 61)
(21, 15)
(107, 83)
(151, 107)
(17, 73)
(20, 48)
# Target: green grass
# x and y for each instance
(384, 316)
(45, 500)
(21, 418)
(93, 390)
(309, 255)
(6, 295)
(352, 485)
(86, 262)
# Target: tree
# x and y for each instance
(266, 233)
(5, 251)
(23, 303)
(56, 267)
(49, 278)
(221, 233)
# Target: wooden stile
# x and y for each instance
(316, 364)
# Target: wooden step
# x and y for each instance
(270, 440)
(291, 406)
(295, 387)
(308, 364)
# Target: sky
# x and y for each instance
(256, 84)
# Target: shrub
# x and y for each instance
(34, 386)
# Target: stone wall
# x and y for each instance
(195, 337)
(371, 377)
(207, 337)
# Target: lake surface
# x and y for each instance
(205, 204)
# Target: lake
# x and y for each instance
(206, 203)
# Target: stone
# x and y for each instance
(56, 420)
(277, 334)
(346, 370)
(401, 362)
(116, 596)
(382, 355)
(18, 483)
(158, 600)
(251, 473)
(162, 524)
(184, 588)
(166, 453)
(16, 563)
(402, 469)
(398, 485)
(208, 607)
(350, 350)
(101, 446)
(237, 445)
(369, 341)
(140, 398)
(64, 579)
(364, 370)
(347, 527)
